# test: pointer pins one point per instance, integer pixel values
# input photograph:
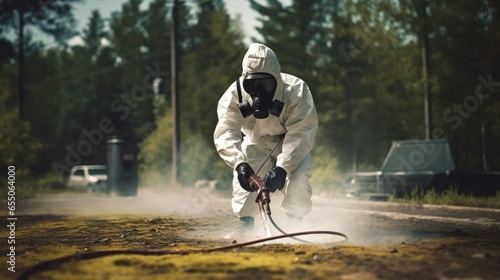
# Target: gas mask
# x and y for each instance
(261, 87)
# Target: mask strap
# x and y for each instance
(238, 87)
(245, 108)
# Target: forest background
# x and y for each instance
(361, 59)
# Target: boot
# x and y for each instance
(243, 230)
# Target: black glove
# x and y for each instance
(244, 172)
(275, 179)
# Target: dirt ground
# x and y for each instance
(180, 237)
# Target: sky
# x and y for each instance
(83, 10)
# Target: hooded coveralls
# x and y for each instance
(251, 140)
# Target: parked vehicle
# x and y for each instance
(413, 165)
(90, 178)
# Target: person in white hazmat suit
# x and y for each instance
(262, 108)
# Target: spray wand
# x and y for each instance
(263, 200)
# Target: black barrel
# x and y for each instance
(122, 165)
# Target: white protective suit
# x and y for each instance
(238, 139)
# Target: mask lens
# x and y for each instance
(259, 83)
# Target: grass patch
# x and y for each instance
(49, 183)
(449, 197)
(28, 186)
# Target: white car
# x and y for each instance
(90, 178)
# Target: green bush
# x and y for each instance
(449, 196)
(198, 160)
(155, 154)
(325, 175)
(28, 186)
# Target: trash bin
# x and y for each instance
(122, 165)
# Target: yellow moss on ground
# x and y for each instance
(215, 265)
(44, 238)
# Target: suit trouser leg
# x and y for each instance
(298, 192)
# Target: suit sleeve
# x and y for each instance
(301, 125)
(227, 134)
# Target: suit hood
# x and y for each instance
(260, 58)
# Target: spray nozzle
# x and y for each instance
(263, 198)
